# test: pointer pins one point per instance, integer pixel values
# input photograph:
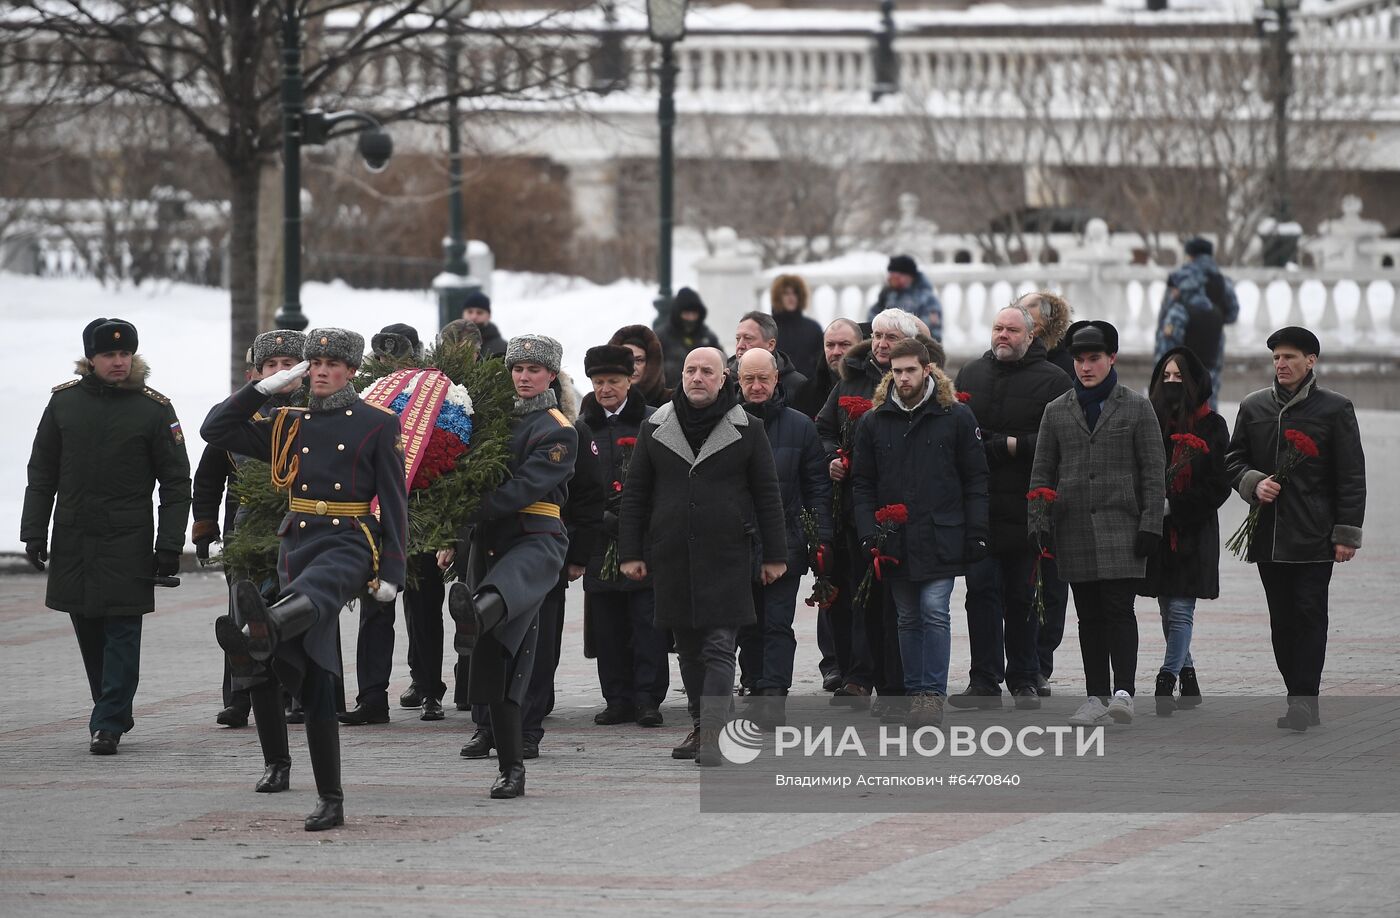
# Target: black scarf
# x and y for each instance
(1091, 398)
(696, 423)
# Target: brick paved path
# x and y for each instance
(611, 824)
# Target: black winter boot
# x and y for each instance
(271, 721)
(510, 750)
(323, 743)
(1163, 695)
(1190, 688)
(264, 627)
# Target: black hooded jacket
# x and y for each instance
(677, 340)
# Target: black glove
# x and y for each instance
(1041, 541)
(610, 523)
(975, 550)
(37, 554)
(867, 544)
(1145, 545)
(167, 563)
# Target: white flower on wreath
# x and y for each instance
(458, 395)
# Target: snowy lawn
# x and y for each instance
(184, 336)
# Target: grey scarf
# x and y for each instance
(341, 399)
(545, 400)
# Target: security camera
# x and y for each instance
(375, 149)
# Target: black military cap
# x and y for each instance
(397, 340)
(1295, 336)
(609, 358)
(1088, 335)
(103, 335)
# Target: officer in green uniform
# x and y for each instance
(103, 443)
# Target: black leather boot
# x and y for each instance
(271, 722)
(236, 647)
(510, 750)
(263, 626)
(323, 743)
(1190, 688)
(1162, 696)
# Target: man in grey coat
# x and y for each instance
(701, 487)
(1100, 449)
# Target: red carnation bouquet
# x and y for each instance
(852, 408)
(1185, 448)
(964, 397)
(439, 457)
(610, 569)
(1300, 448)
(824, 592)
(887, 519)
(1040, 500)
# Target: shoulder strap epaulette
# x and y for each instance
(379, 407)
(559, 416)
(154, 396)
(65, 385)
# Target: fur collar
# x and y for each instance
(944, 392)
(568, 396)
(135, 380)
(341, 398)
(853, 364)
(633, 409)
(542, 402)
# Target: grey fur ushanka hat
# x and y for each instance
(335, 344)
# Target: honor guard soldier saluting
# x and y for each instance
(335, 457)
(103, 443)
(519, 543)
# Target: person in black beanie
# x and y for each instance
(1100, 448)
(477, 309)
(104, 442)
(682, 333)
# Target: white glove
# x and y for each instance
(270, 385)
(385, 592)
(1166, 506)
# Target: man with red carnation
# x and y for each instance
(920, 447)
(1008, 388)
(1307, 522)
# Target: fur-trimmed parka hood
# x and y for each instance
(944, 392)
(783, 282)
(135, 380)
(653, 381)
(853, 364)
(563, 387)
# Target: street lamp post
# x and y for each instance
(455, 283)
(1280, 234)
(666, 26)
(310, 128)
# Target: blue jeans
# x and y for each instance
(921, 612)
(1178, 613)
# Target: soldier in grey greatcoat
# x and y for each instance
(1100, 449)
(518, 544)
(334, 457)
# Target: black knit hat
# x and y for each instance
(609, 358)
(103, 335)
(1198, 245)
(477, 300)
(1087, 336)
(1297, 336)
(902, 264)
(688, 300)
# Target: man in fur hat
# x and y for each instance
(104, 442)
(334, 458)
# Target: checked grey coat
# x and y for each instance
(1111, 483)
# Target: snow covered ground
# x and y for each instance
(184, 336)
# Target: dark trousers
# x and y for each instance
(707, 670)
(1001, 623)
(374, 653)
(882, 637)
(847, 627)
(422, 615)
(111, 649)
(1297, 597)
(234, 698)
(767, 647)
(826, 644)
(1108, 634)
(633, 670)
(1052, 630)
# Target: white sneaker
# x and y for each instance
(1121, 707)
(1091, 713)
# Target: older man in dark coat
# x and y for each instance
(104, 441)
(334, 458)
(701, 488)
(518, 548)
(1100, 448)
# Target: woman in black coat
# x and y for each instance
(1186, 566)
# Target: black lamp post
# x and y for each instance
(310, 128)
(666, 26)
(455, 283)
(1280, 239)
(886, 62)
